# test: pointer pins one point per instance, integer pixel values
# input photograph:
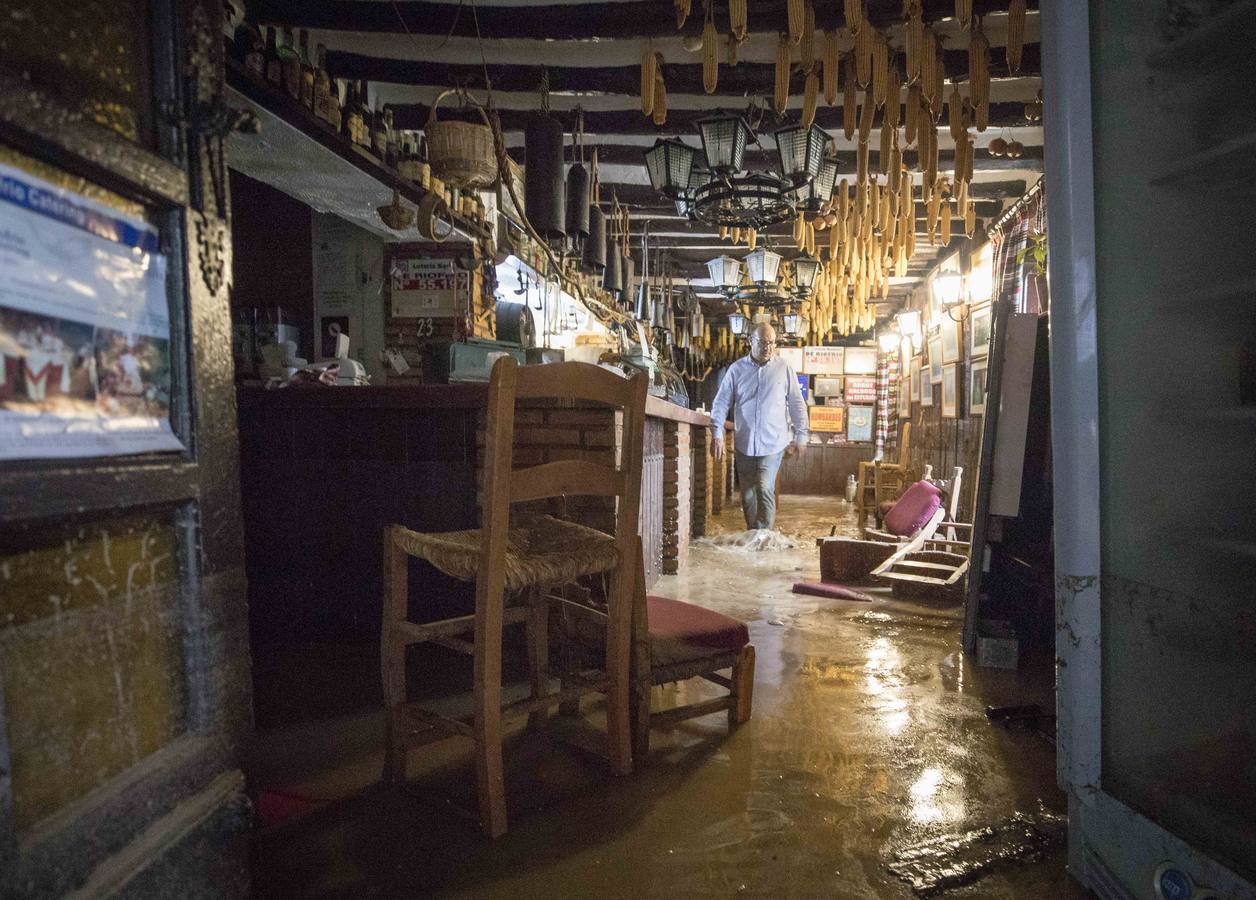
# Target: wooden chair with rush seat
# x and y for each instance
(879, 481)
(526, 559)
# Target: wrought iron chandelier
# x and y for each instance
(714, 188)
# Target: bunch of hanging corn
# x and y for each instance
(979, 75)
(710, 61)
(780, 95)
(737, 22)
(832, 61)
(648, 71)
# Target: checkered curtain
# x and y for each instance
(1011, 279)
(887, 404)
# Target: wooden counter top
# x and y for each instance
(417, 396)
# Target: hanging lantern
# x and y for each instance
(544, 187)
(736, 323)
(669, 163)
(594, 255)
(817, 192)
(577, 203)
(763, 266)
(724, 140)
(725, 273)
(791, 322)
(612, 274)
(948, 289)
(805, 270)
(801, 151)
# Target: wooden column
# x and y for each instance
(703, 487)
(677, 494)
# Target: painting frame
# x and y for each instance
(978, 387)
(916, 386)
(979, 324)
(859, 423)
(935, 359)
(952, 349)
(950, 392)
(904, 398)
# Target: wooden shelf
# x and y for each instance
(1224, 167)
(1231, 29)
(295, 147)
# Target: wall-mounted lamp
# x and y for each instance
(737, 323)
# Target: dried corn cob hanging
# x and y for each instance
(832, 62)
(970, 150)
(807, 45)
(732, 49)
(964, 12)
(911, 115)
(861, 167)
(961, 195)
(794, 11)
(970, 218)
(914, 38)
(1015, 35)
(660, 98)
(929, 53)
(648, 69)
(682, 12)
(850, 108)
(885, 146)
(946, 223)
(894, 98)
(864, 43)
(780, 95)
(933, 208)
(810, 92)
(710, 60)
(737, 22)
(854, 15)
(955, 113)
(979, 75)
(866, 112)
(880, 68)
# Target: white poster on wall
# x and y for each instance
(85, 357)
(429, 287)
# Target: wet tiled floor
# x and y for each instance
(868, 735)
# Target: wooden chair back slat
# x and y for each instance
(566, 478)
(574, 381)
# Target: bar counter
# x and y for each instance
(324, 469)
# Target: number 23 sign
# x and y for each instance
(428, 287)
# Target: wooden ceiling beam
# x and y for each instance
(736, 82)
(586, 21)
(846, 159)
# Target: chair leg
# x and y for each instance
(393, 656)
(743, 688)
(628, 581)
(538, 653)
(641, 682)
(490, 783)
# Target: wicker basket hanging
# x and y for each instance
(461, 153)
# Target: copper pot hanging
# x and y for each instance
(544, 185)
(594, 255)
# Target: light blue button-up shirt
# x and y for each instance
(768, 403)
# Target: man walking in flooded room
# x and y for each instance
(763, 392)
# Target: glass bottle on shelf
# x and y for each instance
(250, 48)
(333, 103)
(391, 155)
(291, 64)
(274, 63)
(379, 133)
(322, 86)
(307, 72)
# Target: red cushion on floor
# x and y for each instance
(680, 631)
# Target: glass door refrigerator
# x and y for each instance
(1151, 185)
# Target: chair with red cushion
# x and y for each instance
(674, 641)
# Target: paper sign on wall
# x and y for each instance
(861, 389)
(860, 427)
(423, 288)
(85, 363)
(861, 360)
(828, 418)
(793, 356)
(827, 386)
(823, 360)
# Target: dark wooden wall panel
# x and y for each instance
(822, 469)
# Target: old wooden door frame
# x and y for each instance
(199, 485)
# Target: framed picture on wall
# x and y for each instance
(926, 393)
(950, 392)
(904, 398)
(935, 359)
(950, 341)
(979, 331)
(977, 387)
(861, 361)
(915, 379)
(859, 423)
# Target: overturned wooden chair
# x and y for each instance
(526, 559)
(934, 555)
(879, 481)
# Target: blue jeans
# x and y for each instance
(757, 477)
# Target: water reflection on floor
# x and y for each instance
(868, 735)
